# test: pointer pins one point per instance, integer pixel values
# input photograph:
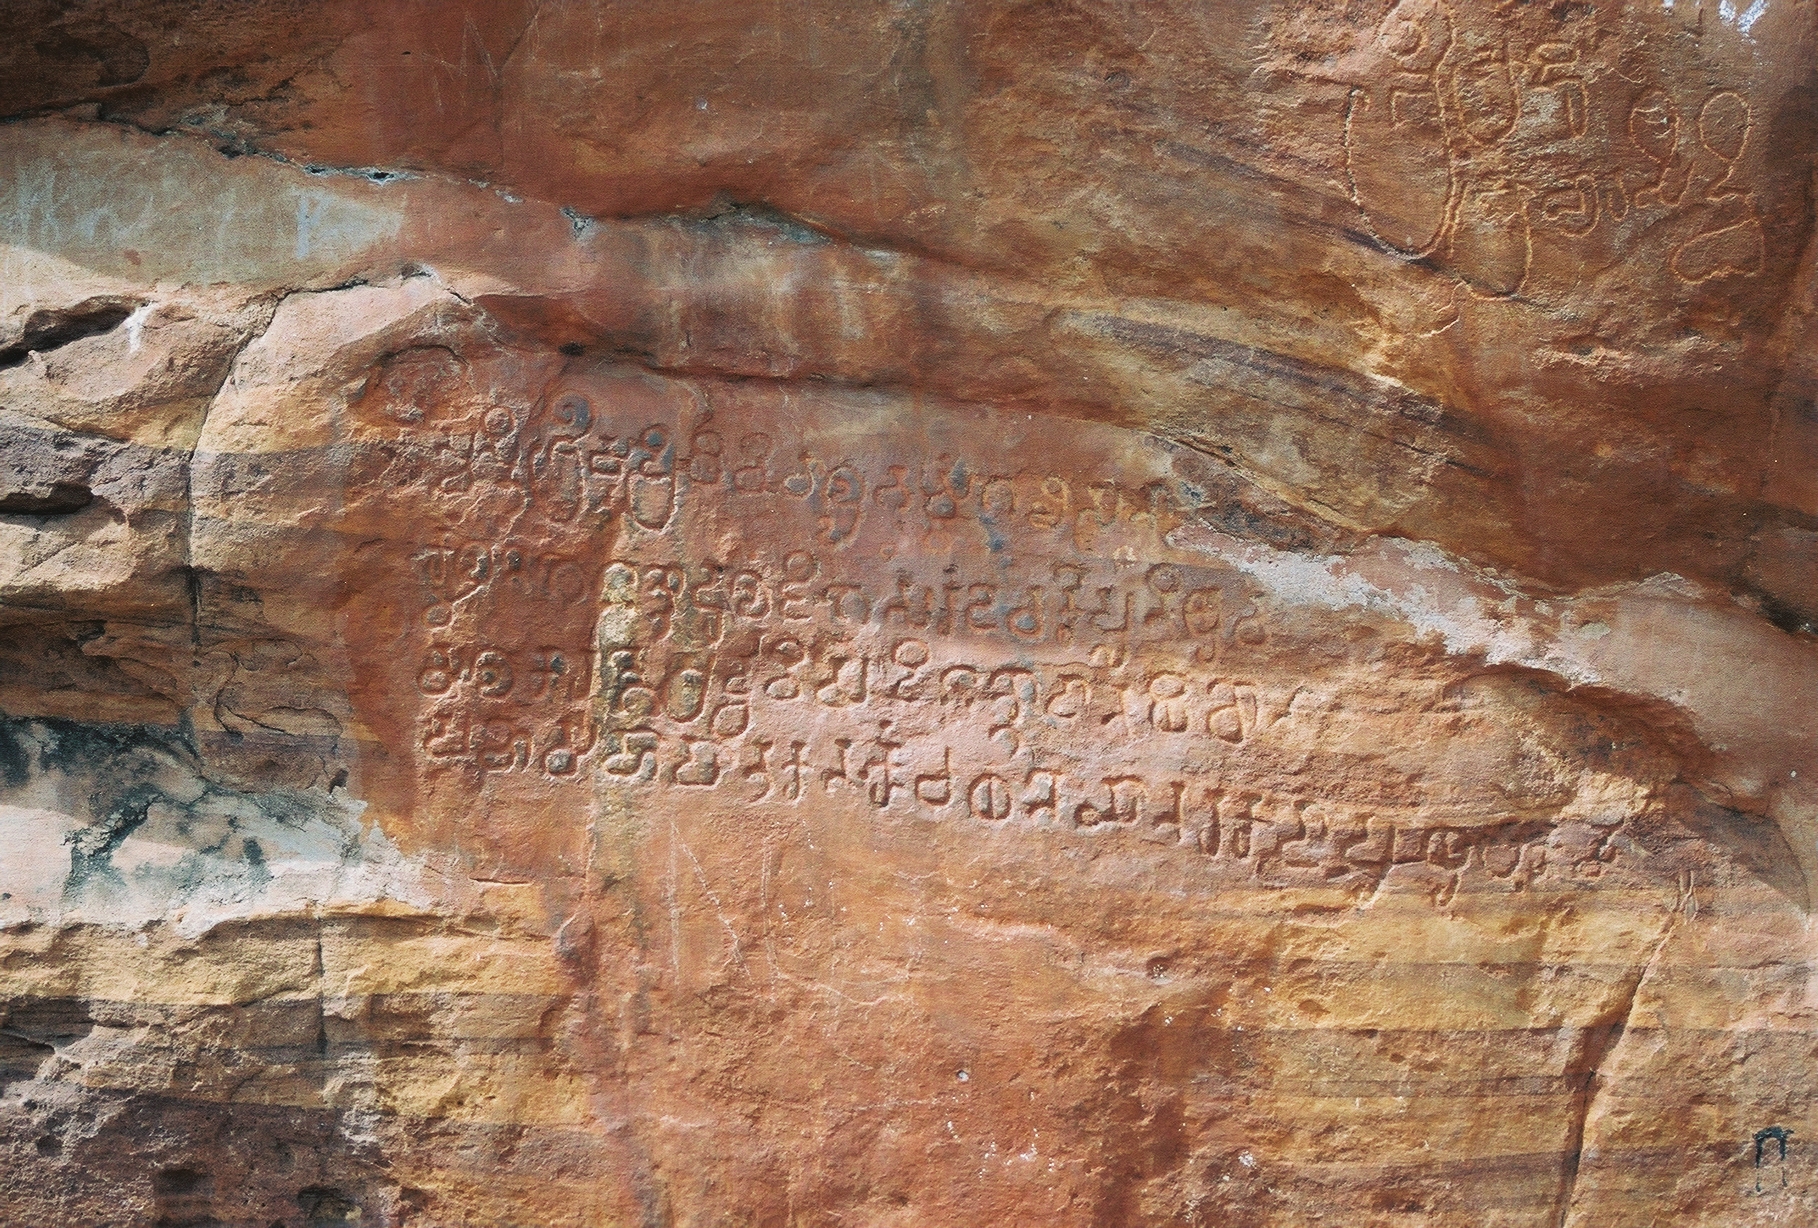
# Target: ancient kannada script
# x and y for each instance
(702, 597)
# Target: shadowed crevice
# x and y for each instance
(54, 327)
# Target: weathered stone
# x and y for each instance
(948, 614)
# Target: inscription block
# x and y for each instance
(648, 594)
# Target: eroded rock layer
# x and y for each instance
(1050, 614)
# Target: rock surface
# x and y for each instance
(1008, 613)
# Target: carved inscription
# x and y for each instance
(501, 709)
(623, 587)
(1472, 133)
(570, 518)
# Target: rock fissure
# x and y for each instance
(1598, 1047)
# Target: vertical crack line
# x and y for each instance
(192, 576)
(321, 975)
(192, 581)
(1598, 1043)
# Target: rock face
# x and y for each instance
(920, 614)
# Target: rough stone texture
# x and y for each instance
(921, 614)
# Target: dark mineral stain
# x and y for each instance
(323, 1206)
(15, 758)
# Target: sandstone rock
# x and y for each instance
(957, 614)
